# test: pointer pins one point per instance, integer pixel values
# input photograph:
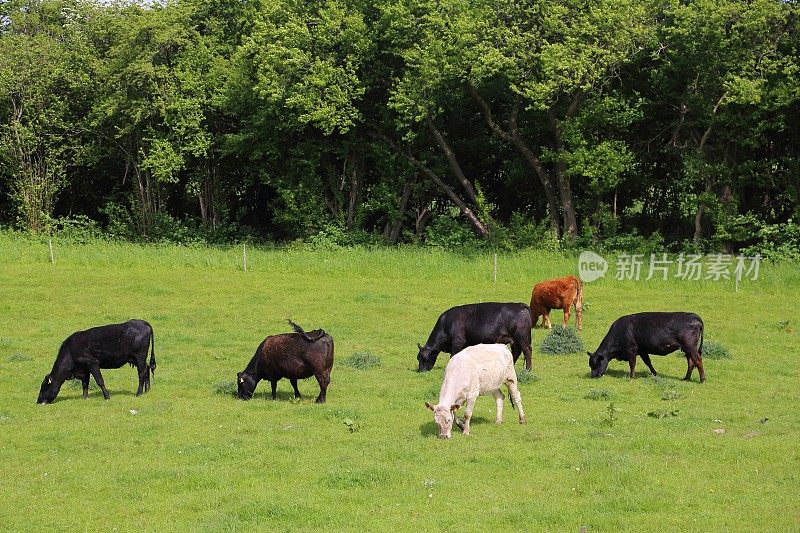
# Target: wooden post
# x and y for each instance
(50, 244)
(244, 255)
(494, 269)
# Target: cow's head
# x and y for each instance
(426, 357)
(443, 415)
(49, 389)
(245, 386)
(598, 363)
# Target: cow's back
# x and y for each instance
(290, 355)
(487, 365)
(555, 293)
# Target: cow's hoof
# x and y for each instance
(320, 400)
(522, 420)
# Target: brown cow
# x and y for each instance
(558, 293)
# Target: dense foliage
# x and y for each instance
(515, 123)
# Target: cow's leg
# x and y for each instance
(85, 383)
(294, 386)
(579, 315)
(566, 316)
(516, 399)
(144, 377)
(470, 405)
(98, 378)
(324, 379)
(694, 359)
(689, 368)
(516, 350)
(522, 342)
(632, 364)
(546, 319)
(646, 359)
(698, 362)
(274, 384)
(498, 400)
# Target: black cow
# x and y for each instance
(86, 352)
(649, 334)
(295, 356)
(471, 324)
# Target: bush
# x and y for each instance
(363, 361)
(449, 230)
(561, 340)
(77, 229)
(715, 350)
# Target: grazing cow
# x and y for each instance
(475, 371)
(295, 356)
(560, 293)
(471, 324)
(649, 334)
(86, 352)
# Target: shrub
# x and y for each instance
(363, 361)
(561, 340)
(715, 350)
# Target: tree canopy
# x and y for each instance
(515, 123)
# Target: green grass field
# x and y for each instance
(188, 456)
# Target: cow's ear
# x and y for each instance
(429, 406)
(454, 407)
(418, 346)
(239, 375)
(589, 354)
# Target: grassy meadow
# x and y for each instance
(611, 454)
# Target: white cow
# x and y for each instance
(474, 371)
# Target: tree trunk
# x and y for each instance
(455, 167)
(564, 187)
(479, 227)
(513, 136)
(393, 234)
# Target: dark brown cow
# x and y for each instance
(294, 356)
(560, 293)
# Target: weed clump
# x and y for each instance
(18, 358)
(598, 394)
(662, 413)
(715, 350)
(671, 395)
(526, 377)
(225, 388)
(560, 341)
(363, 361)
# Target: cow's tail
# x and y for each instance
(579, 294)
(700, 350)
(305, 335)
(152, 364)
